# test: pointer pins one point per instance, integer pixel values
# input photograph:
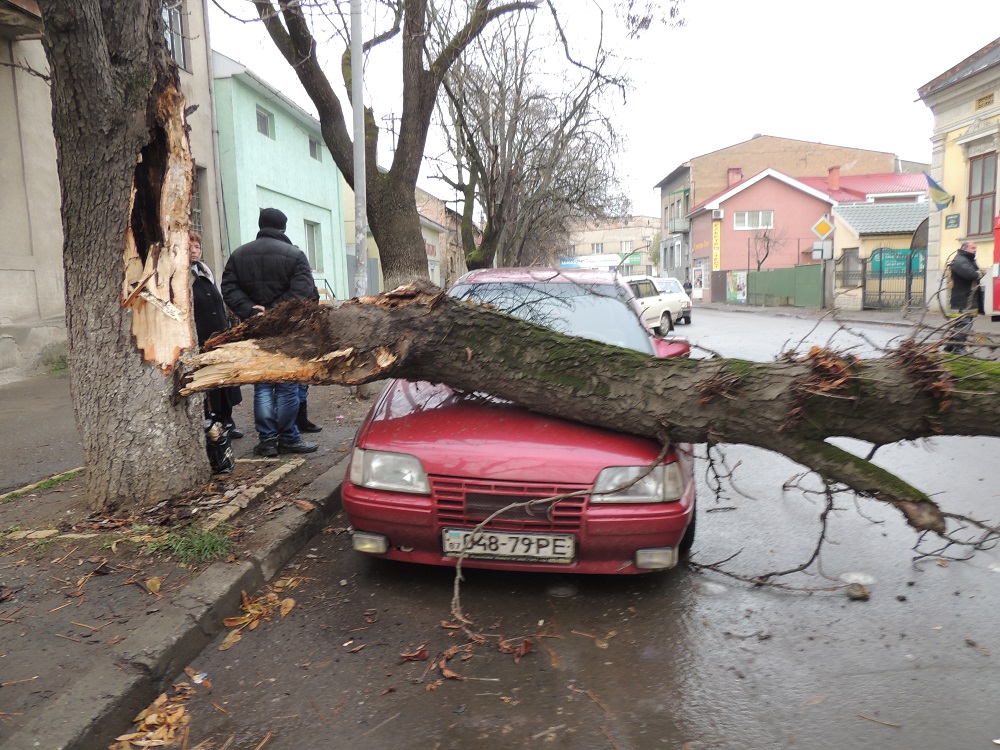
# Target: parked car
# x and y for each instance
(673, 288)
(658, 310)
(430, 463)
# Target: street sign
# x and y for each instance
(823, 228)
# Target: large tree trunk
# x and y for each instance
(125, 176)
(790, 407)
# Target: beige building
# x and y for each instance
(965, 101)
(597, 244)
(32, 305)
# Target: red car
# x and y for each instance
(430, 463)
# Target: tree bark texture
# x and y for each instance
(790, 407)
(125, 178)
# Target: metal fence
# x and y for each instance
(894, 278)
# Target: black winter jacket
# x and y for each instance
(266, 271)
(964, 280)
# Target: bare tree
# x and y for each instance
(125, 173)
(431, 39)
(528, 159)
(763, 241)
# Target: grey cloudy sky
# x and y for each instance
(843, 73)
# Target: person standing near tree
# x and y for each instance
(258, 276)
(210, 318)
(962, 303)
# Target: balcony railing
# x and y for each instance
(674, 226)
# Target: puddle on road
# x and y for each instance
(709, 588)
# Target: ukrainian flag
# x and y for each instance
(941, 197)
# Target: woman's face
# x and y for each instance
(194, 250)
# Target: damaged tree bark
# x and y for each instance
(125, 175)
(789, 406)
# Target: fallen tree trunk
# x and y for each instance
(788, 406)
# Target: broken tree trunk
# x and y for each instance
(790, 406)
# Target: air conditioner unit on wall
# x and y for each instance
(717, 213)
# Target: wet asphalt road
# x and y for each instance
(681, 660)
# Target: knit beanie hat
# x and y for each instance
(272, 218)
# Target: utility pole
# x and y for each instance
(360, 186)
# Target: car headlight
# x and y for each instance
(639, 484)
(381, 470)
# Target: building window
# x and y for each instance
(982, 193)
(315, 151)
(627, 246)
(173, 22)
(753, 220)
(196, 222)
(596, 248)
(265, 122)
(314, 250)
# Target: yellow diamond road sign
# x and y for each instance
(822, 228)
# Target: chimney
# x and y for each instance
(833, 178)
(735, 175)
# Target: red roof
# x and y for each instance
(856, 188)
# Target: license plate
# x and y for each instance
(502, 545)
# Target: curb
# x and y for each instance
(95, 709)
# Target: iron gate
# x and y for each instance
(894, 278)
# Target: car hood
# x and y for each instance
(475, 435)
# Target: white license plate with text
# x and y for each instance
(504, 545)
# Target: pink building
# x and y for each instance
(760, 223)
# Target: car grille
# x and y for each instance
(462, 502)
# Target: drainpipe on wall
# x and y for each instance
(222, 230)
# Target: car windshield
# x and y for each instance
(671, 286)
(593, 311)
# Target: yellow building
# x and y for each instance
(965, 101)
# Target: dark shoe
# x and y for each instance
(234, 432)
(302, 420)
(299, 446)
(267, 448)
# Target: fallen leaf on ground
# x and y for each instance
(286, 606)
(421, 654)
(231, 640)
(153, 584)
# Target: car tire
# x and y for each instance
(666, 324)
(687, 320)
(687, 541)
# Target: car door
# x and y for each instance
(651, 303)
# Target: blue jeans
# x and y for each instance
(275, 406)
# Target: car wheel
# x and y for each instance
(687, 541)
(687, 320)
(666, 324)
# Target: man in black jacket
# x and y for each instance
(259, 275)
(965, 276)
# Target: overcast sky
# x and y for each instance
(843, 73)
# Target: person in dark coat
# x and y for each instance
(210, 318)
(962, 302)
(258, 276)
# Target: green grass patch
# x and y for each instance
(189, 545)
(45, 484)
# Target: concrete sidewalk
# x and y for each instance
(86, 643)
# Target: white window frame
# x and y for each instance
(174, 30)
(263, 113)
(753, 220)
(315, 150)
(597, 248)
(626, 246)
(314, 245)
